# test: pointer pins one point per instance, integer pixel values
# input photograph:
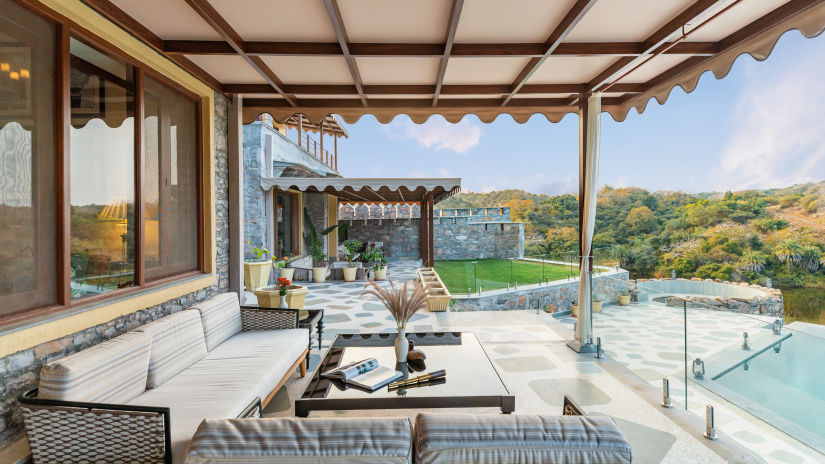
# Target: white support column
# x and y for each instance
(589, 135)
(235, 167)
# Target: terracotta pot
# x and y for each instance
(286, 272)
(319, 274)
(256, 274)
(597, 306)
(349, 274)
(268, 297)
(624, 300)
(381, 274)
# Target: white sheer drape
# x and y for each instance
(589, 173)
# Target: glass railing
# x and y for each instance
(725, 345)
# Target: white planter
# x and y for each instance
(402, 345)
(286, 272)
(381, 274)
(319, 274)
(350, 273)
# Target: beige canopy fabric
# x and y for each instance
(457, 57)
(372, 190)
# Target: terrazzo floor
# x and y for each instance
(528, 348)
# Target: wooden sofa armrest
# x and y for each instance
(259, 318)
(72, 431)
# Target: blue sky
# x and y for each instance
(761, 126)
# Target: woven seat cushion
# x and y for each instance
(502, 439)
(290, 440)
(177, 342)
(114, 371)
(221, 317)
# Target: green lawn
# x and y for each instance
(492, 274)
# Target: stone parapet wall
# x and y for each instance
(455, 238)
(412, 211)
(20, 371)
(552, 297)
(737, 297)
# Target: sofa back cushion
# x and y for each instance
(177, 343)
(111, 372)
(450, 438)
(221, 317)
(291, 440)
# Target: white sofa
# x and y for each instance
(140, 397)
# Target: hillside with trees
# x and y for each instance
(739, 236)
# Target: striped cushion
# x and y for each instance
(177, 343)
(221, 318)
(111, 372)
(317, 441)
(503, 439)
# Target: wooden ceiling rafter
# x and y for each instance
(110, 11)
(209, 14)
(565, 27)
(421, 50)
(446, 89)
(343, 41)
(452, 27)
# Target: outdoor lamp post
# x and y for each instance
(698, 368)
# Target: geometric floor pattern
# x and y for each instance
(529, 351)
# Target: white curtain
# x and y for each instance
(589, 173)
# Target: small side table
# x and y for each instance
(313, 321)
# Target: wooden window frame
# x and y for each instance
(65, 29)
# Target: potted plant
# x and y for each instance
(283, 271)
(574, 306)
(351, 246)
(315, 245)
(284, 294)
(402, 301)
(624, 298)
(256, 271)
(375, 256)
(597, 304)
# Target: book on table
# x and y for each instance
(366, 373)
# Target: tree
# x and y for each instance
(788, 251)
(810, 257)
(519, 208)
(640, 220)
(752, 261)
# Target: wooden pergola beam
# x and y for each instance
(343, 41)
(209, 14)
(114, 14)
(447, 89)
(576, 13)
(468, 50)
(653, 42)
(452, 26)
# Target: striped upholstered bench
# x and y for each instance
(438, 439)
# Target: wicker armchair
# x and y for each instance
(70, 431)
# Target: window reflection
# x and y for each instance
(102, 172)
(27, 193)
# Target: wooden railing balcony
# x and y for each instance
(316, 149)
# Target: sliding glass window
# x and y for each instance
(170, 181)
(28, 270)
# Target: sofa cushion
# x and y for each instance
(484, 439)
(177, 342)
(111, 372)
(319, 441)
(221, 317)
(220, 385)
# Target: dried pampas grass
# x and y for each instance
(402, 301)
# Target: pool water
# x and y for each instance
(785, 389)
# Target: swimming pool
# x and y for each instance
(783, 384)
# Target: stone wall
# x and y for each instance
(254, 197)
(399, 236)
(552, 297)
(19, 371)
(736, 297)
(316, 206)
(376, 211)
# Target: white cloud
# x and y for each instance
(438, 133)
(558, 187)
(441, 172)
(778, 137)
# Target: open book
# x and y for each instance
(365, 373)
